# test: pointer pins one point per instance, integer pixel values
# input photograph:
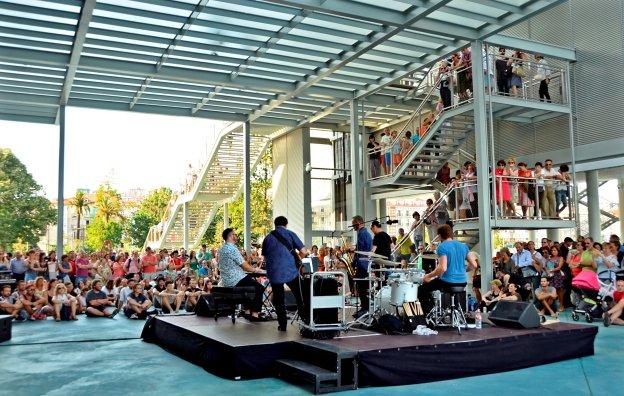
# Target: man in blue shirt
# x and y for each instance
(18, 266)
(451, 268)
(278, 249)
(524, 261)
(364, 243)
(233, 269)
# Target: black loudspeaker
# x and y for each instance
(209, 306)
(515, 314)
(6, 322)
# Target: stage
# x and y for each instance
(362, 358)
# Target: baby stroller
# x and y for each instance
(589, 296)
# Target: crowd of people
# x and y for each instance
(545, 273)
(507, 70)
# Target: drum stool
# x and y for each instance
(454, 315)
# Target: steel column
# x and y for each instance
(307, 187)
(356, 174)
(247, 184)
(382, 209)
(185, 225)
(61, 183)
(483, 172)
(553, 234)
(593, 204)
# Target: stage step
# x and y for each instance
(329, 367)
(324, 380)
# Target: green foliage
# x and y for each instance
(261, 204)
(24, 211)
(137, 227)
(82, 204)
(108, 203)
(100, 230)
(155, 203)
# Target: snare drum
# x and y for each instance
(416, 276)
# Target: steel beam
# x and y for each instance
(247, 184)
(358, 49)
(79, 39)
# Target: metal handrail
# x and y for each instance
(424, 216)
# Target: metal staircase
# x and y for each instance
(437, 144)
(219, 181)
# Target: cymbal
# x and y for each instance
(370, 254)
(385, 263)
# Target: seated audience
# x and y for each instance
(64, 304)
(137, 304)
(99, 304)
(546, 298)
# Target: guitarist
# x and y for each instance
(283, 250)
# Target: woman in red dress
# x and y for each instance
(503, 192)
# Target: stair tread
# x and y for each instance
(309, 369)
(340, 352)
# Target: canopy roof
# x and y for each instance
(276, 63)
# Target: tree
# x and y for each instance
(137, 228)
(155, 203)
(24, 211)
(261, 203)
(82, 204)
(108, 203)
(100, 230)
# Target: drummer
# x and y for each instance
(364, 243)
(382, 243)
(451, 268)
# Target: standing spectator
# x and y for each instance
(418, 228)
(553, 271)
(64, 269)
(536, 193)
(373, 156)
(543, 76)
(524, 183)
(386, 151)
(503, 71)
(512, 172)
(32, 262)
(404, 247)
(149, 264)
(118, 267)
(517, 71)
(18, 266)
(444, 76)
(562, 186)
(469, 190)
(98, 303)
(444, 174)
(503, 192)
(430, 221)
(396, 150)
(550, 175)
(441, 211)
(133, 265)
(82, 267)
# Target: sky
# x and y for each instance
(131, 150)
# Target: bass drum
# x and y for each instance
(382, 300)
(402, 292)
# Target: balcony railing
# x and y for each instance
(515, 197)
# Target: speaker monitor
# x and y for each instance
(6, 322)
(515, 314)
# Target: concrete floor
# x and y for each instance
(106, 357)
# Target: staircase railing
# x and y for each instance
(394, 151)
(424, 216)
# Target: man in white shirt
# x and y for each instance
(386, 155)
(548, 200)
(543, 75)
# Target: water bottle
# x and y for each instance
(478, 319)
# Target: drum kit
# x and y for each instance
(401, 287)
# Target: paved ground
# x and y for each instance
(106, 357)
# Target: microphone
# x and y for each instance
(392, 222)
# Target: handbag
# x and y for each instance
(518, 71)
(289, 247)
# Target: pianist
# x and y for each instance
(232, 267)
